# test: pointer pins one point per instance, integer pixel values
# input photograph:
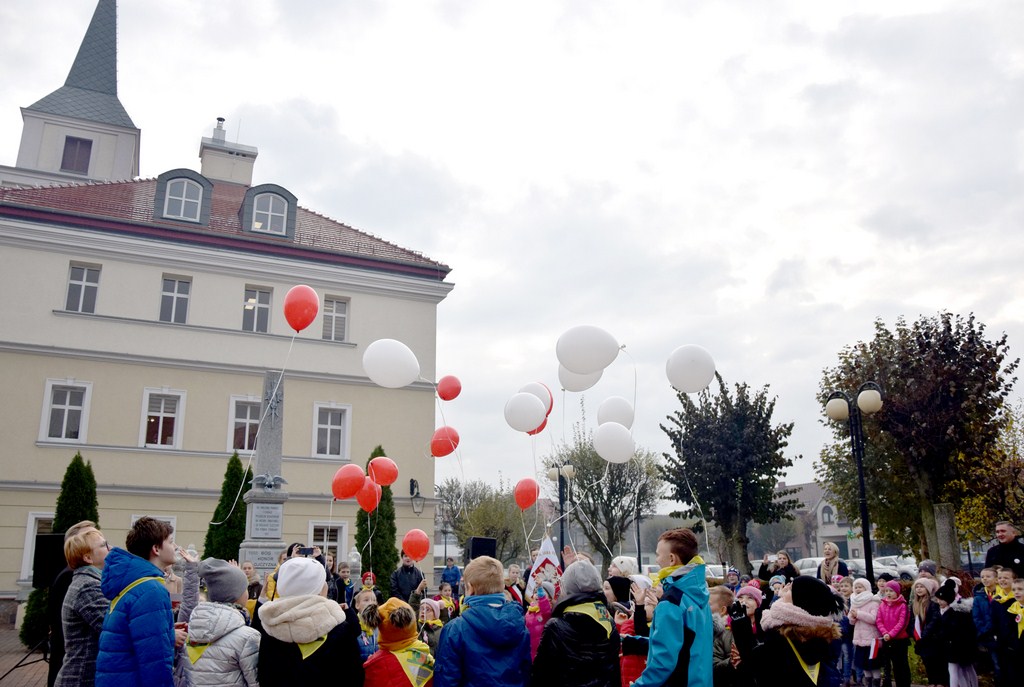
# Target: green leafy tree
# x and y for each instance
(75, 503)
(376, 535)
(945, 386)
(895, 518)
(729, 458)
(226, 531)
(995, 489)
(605, 498)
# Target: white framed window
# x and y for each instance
(66, 411)
(256, 309)
(827, 515)
(83, 284)
(163, 412)
(36, 523)
(854, 553)
(270, 212)
(335, 319)
(184, 199)
(331, 537)
(332, 424)
(174, 299)
(245, 423)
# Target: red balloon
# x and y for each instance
(301, 304)
(347, 481)
(382, 470)
(526, 492)
(448, 387)
(445, 440)
(416, 544)
(539, 429)
(369, 495)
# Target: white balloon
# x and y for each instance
(390, 364)
(524, 412)
(615, 409)
(586, 349)
(571, 381)
(541, 392)
(613, 442)
(690, 368)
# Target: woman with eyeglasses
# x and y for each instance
(84, 608)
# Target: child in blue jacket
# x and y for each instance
(488, 643)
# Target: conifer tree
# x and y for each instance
(223, 540)
(376, 536)
(76, 502)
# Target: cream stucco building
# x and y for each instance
(142, 315)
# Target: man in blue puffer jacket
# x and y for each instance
(682, 631)
(488, 644)
(137, 641)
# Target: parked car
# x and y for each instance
(858, 568)
(905, 565)
(808, 566)
(714, 571)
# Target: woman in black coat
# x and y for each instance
(780, 566)
(580, 645)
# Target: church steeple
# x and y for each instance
(90, 91)
(81, 130)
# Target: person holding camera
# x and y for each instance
(304, 636)
(779, 564)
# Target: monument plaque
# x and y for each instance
(266, 520)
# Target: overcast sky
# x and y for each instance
(763, 179)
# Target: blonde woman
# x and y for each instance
(832, 565)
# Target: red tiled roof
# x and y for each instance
(128, 206)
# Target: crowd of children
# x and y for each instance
(312, 621)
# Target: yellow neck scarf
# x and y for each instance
(1001, 594)
(812, 671)
(667, 572)
(597, 611)
(417, 663)
(309, 648)
(1018, 610)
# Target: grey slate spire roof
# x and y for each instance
(90, 91)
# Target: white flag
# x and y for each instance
(547, 563)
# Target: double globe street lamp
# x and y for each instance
(839, 407)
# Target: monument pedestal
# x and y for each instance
(264, 514)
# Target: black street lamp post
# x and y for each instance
(839, 407)
(562, 475)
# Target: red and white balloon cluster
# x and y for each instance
(529, 408)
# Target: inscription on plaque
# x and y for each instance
(266, 520)
(263, 560)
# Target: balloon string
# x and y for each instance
(255, 439)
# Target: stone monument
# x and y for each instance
(264, 513)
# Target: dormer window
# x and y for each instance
(184, 198)
(183, 195)
(270, 212)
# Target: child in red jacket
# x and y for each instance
(403, 660)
